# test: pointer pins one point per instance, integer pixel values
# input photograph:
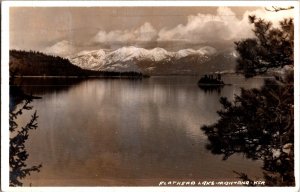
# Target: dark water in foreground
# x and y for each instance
(103, 132)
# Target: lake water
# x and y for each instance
(102, 132)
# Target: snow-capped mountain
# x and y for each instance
(208, 51)
(151, 61)
(159, 54)
(89, 59)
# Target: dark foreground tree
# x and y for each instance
(271, 48)
(19, 103)
(260, 122)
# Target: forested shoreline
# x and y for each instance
(33, 63)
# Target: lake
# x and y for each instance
(103, 132)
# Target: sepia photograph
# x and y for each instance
(126, 94)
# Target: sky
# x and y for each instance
(67, 30)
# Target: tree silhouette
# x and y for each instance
(18, 135)
(271, 47)
(260, 122)
(276, 9)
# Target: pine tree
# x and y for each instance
(19, 135)
(271, 48)
(260, 122)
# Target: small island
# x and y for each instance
(211, 80)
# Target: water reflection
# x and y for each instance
(211, 88)
(42, 86)
(121, 132)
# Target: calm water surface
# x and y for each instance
(128, 132)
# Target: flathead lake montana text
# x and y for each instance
(122, 132)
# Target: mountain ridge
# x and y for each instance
(33, 63)
(156, 61)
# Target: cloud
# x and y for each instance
(207, 27)
(145, 32)
(201, 29)
(62, 48)
(224, 25)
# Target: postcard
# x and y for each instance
(155, 96)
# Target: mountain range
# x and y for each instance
(157, 61)
(34, 63)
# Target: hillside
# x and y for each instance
(31, 63)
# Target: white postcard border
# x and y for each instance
(5, 89)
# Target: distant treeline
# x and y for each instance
(34, 63)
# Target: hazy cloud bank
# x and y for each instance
(199, 29)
